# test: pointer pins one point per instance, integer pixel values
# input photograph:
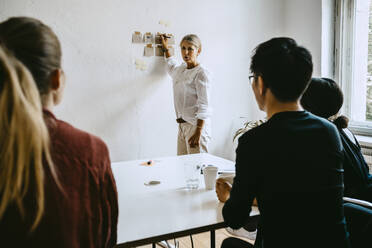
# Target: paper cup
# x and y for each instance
(210, 175)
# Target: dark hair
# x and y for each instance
(284, 66)
(324, 98)
(35, 45)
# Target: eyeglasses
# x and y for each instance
(252, 78)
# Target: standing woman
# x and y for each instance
(56, 185)
(191, 91)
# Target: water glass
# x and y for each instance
(192, 175)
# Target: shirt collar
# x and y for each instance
(48, 113)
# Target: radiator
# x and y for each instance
(367, 153)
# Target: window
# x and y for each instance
(353, 61)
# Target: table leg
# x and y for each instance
(213, 239)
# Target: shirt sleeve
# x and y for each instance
(109, 205)
(171, 66)
(203, 101)
(237, 208)
(365, 170)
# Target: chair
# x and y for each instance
(359, 222)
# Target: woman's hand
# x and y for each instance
(194, 140)
(164, 41)
(255, 202)
(223, 189)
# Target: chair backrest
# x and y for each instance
(359, 224)
(362, 203)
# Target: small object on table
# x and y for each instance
(148, 163)
(150, 183)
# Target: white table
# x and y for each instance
(149, 214)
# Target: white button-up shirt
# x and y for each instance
(191, 91)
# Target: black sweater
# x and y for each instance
(357, 180)
(292, 164)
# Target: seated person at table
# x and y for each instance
(56, 185)
(292, 163)
(324, 98)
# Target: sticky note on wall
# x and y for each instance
(137, 37)
(165, 23)
(149, 50)
(140, 65)
(159, 50)
(148, 37)
(171, 40)
(171, 50)
(158, 38)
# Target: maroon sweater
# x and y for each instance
(85, 213)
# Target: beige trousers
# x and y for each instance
(185, 131)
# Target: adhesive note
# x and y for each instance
(171, 50)
(148, 37)
(140, 65)
(137, 37)
(165, 23)
(171, 40)
(158, 38)
(149, 50)
(159, 50)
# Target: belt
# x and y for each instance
(180, 120)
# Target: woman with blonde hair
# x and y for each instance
(56, 184)
(191, 91)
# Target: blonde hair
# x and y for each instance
(24, 138)
(193, 39)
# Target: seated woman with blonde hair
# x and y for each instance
(56, 184)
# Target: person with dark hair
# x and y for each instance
(292, 163)
(324, 98)
(56, 184)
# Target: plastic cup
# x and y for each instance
(192, 175)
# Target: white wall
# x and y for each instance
(133, 110)
(328, 36)
(303, 22)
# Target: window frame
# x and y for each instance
(344, 42)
